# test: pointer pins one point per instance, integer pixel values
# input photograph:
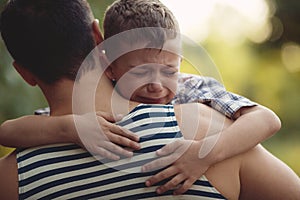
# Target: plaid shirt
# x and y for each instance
(193, 88)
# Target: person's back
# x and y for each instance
(238, 176)
(76, 173)
(67, 171)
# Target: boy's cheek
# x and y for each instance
(171, 85)
(128, 90)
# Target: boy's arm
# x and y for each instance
(33, 130)
(253, 124)
(29, 131)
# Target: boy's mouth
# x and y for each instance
(161, 100)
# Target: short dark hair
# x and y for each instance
(151, 22)
(50, 38)
(124, 15)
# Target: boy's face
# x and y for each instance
(147, 75)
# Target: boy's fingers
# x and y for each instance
(160, 176)
(153, 165)
(125, 142)
(159, 163)
(111, 151)
(167, 149)
(124, 137)
(106, 116)
(123, 132)
(173, 183)
(118, 150)
(183, 188)
(101, 153)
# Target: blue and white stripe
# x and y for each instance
(66, 171)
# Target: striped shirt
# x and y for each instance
(66, 171)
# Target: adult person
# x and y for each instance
(58, 95)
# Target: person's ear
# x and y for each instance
(97, 32)
(109, 73)
(26, 75)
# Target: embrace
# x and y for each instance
(126, 124)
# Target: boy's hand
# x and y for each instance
(186, 166)
(100, 136)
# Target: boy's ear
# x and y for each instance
(109, 73)
(97, 32)
(26, 75)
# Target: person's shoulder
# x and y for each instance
(184, 78)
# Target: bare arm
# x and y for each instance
(252, 126)
(33, 130)
(219, 138)
(29, 131)
(264, 177)
(253, 123)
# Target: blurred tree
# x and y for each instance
(285, 22)
(288, 13)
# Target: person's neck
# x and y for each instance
(59, 96)
(86, 95)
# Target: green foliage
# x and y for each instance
(17, 98)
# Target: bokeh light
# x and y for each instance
(232, 20)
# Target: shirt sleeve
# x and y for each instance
(207, 90)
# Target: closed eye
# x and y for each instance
(138, 72)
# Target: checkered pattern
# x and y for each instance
(192, 88)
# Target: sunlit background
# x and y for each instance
(254, 44)
(200, 19)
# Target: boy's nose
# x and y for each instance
(155, 87)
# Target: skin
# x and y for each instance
(146, 75)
